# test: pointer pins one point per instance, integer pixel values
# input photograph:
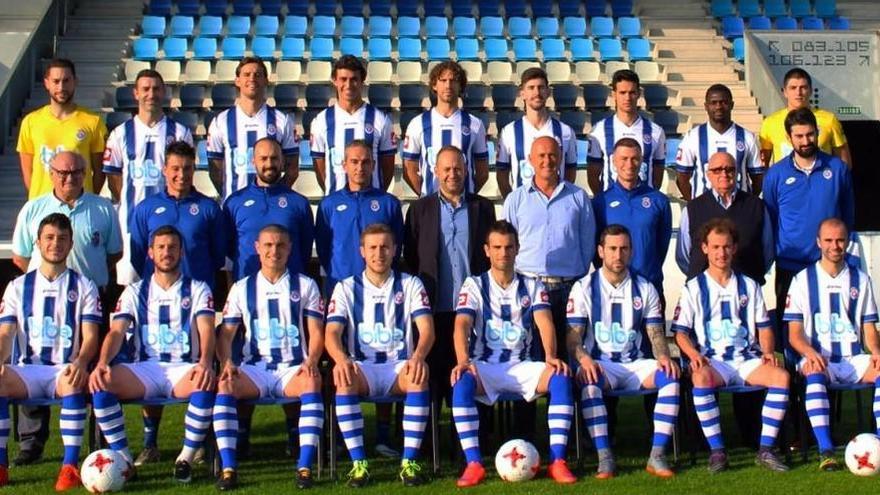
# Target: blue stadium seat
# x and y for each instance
(379, 48)
(159, 7)
(353, 8)
(115, 119)
(192, 96)
(152, 26)
(307, 117)
(505, 117)
(266, 25)
(352, 46)
(437, 48)
(189, 7)
(547, 27)
(760, 22)
(575, 119)
(464, 27)
(621, 8)
(190, 120)
(475, 96)
(826, 8)
(495, 48)
(233, 48)
(298, 7)
(570, 8)
(210, 25)
(270, 7)
(125, 99)
(629, 27)
(610, 49)
(380, 95)
(352, 26)
(668, 120)
(732, 27)
(639, 49)
(492, 27)
(434, 9)
(672, 145)
(582, 49)
(216, 7)
(525, 49)
(462, 8)
(775, 8)
(174, 48)
(182, 26)
(296, 25)
(408, 27)
(321, 49)
(467, 48)
(202, 154)
(323, 25)
(264, 47)
(583, 146)
(542, 9)
(489, 7)
(748, 8)
(243, 7)
(436, 27)
(553, 49)
(286, 95)
(411, 95)
(204, 48)
(596, 8)
(574, 27)
(318, 95)
(380, 26)
(504, 95)
(800, 8)
(514, 8)
(380, 8)
(596, 96)
(812, 23)
(786, 23)
(222, 96)
(565, 96)
(409, 48)
(722, 8)
(838, 24)
(238, 26)
(602, 27)
(145, 48)
(293, 48)
(325, 9)
(739, 49)
(656, 96)
(408, 9)
(519, 27)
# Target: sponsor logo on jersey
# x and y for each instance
(186, 302)
(341, 207)
(569, 306)
(545, 297)
(270, 129)
(249, 202)
(425, 301)
(160, 210)
(525, 301)
(676, 313)
(210, 302)
(740, 146)
(790, 180)
(331, 306)
(614, 204)
(368, 128)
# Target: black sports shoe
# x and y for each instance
(228, 480)
(182, 472)
(27, 457)
(304, 479)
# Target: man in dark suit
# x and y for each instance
(444, 234)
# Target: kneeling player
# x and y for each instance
(162, 334)
(376, 310)
(283, 319)
(830, 305)
(615, 333)
(49, 322)
(724, 312)
(501, 308)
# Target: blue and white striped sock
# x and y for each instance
(818, 410)
(772, 414)
(709, 416)
(196, 422)
(466, 416)
(110, 419)
(4, 430)
(665, 410)
(560, 409)
(72, 421)
(226, 429)
(351, 424)
(415, 417)
(595, 415)
(877, 404)
(311, 424)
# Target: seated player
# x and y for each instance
(616, 334)
(50, 354)
(495, 336)
(376, 310)
(829, 306)
(721, 326)
(283, 319)
(160, 345)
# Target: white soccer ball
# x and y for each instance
(104, 471)
(863, 454)
(517, 460)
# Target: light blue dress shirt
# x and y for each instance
(453, 265)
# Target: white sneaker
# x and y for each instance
(386, 451)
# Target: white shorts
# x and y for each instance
(849, 370)
(40, 380)
(270, 383)
(734, 373)
(519, 378)
(627, 376)
(380, 377)
(158, 378)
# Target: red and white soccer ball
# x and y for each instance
(104, 471)
(863, 454)
(517, 460)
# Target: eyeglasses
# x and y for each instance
(723, 170)
(67, 174)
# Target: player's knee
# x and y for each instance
(702, 377)
(781, 378)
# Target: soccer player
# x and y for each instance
(349, 119)
(721, 326)
(626, 122)
(49, 321)
(134, 157)
(516, 139)
(376, 311)
(160, 345)
(496, 316)
(61, 125)
(616, 334)
(283, 319)
(443, 125)
(797, 89)
(719, 133)
(233, 134)
(830, 305)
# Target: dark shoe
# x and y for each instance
(27, 457)
(411, 473)
(228, 480)
(304, 479)
(717, 461)
(147, 456)
(359, 476)
(827, 462)
(769, 460)
(182, 472)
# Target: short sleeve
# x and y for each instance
(126, 307)
(503, 152)
(318, 135)
(660, 148)
(337, 309)
(869, 310)
(468, 298)
(577, 308)
(114, 236)
(683, 317)
(89, 303)
(479, 145)
(22, 235)
(9, 305)
(233, 313)
(203, 300)
(765, 135)
(186, 136)
(653, 310)
(762, 319)
(387, 141)
(216, 146)
(838, 138)
(685, 157)
(571, 149)
(540, 297)
(312, 304)
(595, 152)
(99, 137)
(412, 141)
(419, 303)
(289, 141)
(113, 159)
(796, 302)
(25, 141)
(752, 160)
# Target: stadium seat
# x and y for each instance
(596, 8)
(270, 7)
(547, 27)
(760, 22)
(295, 25)
(243, 7)
(615, 65)
(174, 48)
(602, 27)
(514, 8)
(475, 96)
(411, 96)
(293, 49)
(189, 7)
(672, 145)
(266, 25)
(519, 27)
(145, 48)
(587, 71)
(465, 27)
(288, 71)
(264, 47)
(324, 26)
(327, 9)
(190, 120)
(504, 95)
(409, 27)
(571, 8)
(575, 119)
(434, 9)
(525, 49)
(379, 72)
(495, 48)
(318, 70)
(351, 46)
(197, 71)
(583, 147)
(621, 8)
(800, 8)
(656, 96)
(668, 120)
(826, 9)
(505, 117)
(379, 48)
(437, 48)
(210, 26)
(639, 49)
(216, 7)
(192, 96)
(115, 119)
(297, 7)
(722, 8)
(739, 49)
(542, 9)
(204, 48)
(775, 8)
(565, 96)
(582, 49)
(238, 26)
(465, 49)
(232, 48)
(321, 49)
(732, 27)
(286, 96)
(647, 70)
(491, 27)
(159, 7)
(408, 9)
(352, 26)
(748, 8)
(132, 67)
(499, 72)
(610, 49)
(462, 8)
(596, 96)
(224, 70)
(307, 117)
(552, 49)
(436, 27)
(409, 49)
(153, 26)
(379, 26)
(474, 71)
(353, 8)
(125, 99)
(629, 27)
(574, 27)
(318, 95)
(786, 23)
(524, 65)
(839, 24)
(812, 23)
(182, 26)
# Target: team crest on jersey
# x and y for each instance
(646, 202)
(72, 296)
(294, 296)
(827, 174)
(465, 131)
(193, 209)
(569, 306)
(368, 128)
(249, 202)
(270, 129)
(160, 210)
(374, 205)
(282, 202)
(96, 238)
(637, 303)
(186, 302)
(398, 297)
(743, 300)
(462, 299)
(525, 301)
(169, 140)
(646, 139)
(81, 135)
(740, 146)
(854, 293)
(614, 204)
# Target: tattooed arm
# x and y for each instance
(660, 347)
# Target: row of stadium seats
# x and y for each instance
(774, 8)
(182, 26)
(735, 26)
(509, 8)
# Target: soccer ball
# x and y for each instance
(863, 454)
(517, 460)
(104, 471)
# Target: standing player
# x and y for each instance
(49, 322)
(233, 134)
(626, 122)
(62, 125)
(719, 133)
(283, 319)
(376, 310)
(134, 157)
(349, 119)
(830, 306)
(496, 316)
(722, 326)
(443, 125)
(616, 334)
(160, 345)
(512, 165)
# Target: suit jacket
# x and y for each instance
(421, 247)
